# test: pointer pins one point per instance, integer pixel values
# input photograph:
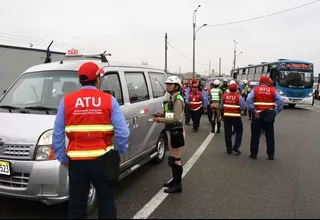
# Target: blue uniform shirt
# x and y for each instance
(121, 131)
(277, 98)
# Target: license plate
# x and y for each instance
(296, 100)
(5, 168)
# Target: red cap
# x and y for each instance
(233, 86)
(195, 85)
(264, 80)
(90, 70)
(194, 81)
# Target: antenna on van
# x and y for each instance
(48, 57)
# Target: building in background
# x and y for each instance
(15, 60)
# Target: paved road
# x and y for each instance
(221, 185)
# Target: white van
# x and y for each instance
(28, 168)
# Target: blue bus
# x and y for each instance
(293, 79)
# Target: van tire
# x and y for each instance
(161, 148)
(92, 200)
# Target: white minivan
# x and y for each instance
(28, 168)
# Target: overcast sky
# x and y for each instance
(134, 30)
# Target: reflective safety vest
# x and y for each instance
(264, 97)
(195, 101)
(231, 106)
(215, 94)
(88, 124)
(169, 113)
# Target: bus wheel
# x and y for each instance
(292, 105)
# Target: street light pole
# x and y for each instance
(194, 42)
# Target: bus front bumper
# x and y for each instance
(298, 101)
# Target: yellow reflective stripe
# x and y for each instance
(89, 153)
(232, 114)
(231, 106)
(195, 103)
(88, 128)
(263, 103)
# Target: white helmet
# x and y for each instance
(173, 80)
(232, 82)
(245, 81)
(216, 82)
(225, 80)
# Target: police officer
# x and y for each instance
(224, 85)
(197, 102)
(246, 91)
(262, 102)
(215, 97)
(233, 103)
(172, 118)
(209, 110)
(90, 119)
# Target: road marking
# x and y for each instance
(149, 208)
(311, 109)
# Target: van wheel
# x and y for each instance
(92, 200)
(161, 149)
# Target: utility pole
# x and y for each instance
(209, 67)
(166, 54)
(194, 50)
(220, 66)
(234, 54)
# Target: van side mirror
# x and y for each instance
(4, 91)
(111, 92)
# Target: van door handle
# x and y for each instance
(135, 122)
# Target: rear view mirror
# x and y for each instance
(111, 92)
(4, 91)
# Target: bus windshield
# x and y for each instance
(296, 79)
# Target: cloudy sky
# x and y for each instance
(134, 30)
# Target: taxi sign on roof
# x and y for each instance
(73, 53)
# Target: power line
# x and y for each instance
(184, 54)
(264, 16)
(25, 38)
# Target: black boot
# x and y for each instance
(176, 186)
(169, 184)
(219, 125)
(213, 126)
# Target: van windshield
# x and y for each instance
(44, 89)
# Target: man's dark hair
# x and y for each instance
(82, 79)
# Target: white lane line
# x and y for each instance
(149, 208)
(315, 110)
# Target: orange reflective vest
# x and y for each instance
(195, 101)
(264, 97)
(88, 124)
(231, 105)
